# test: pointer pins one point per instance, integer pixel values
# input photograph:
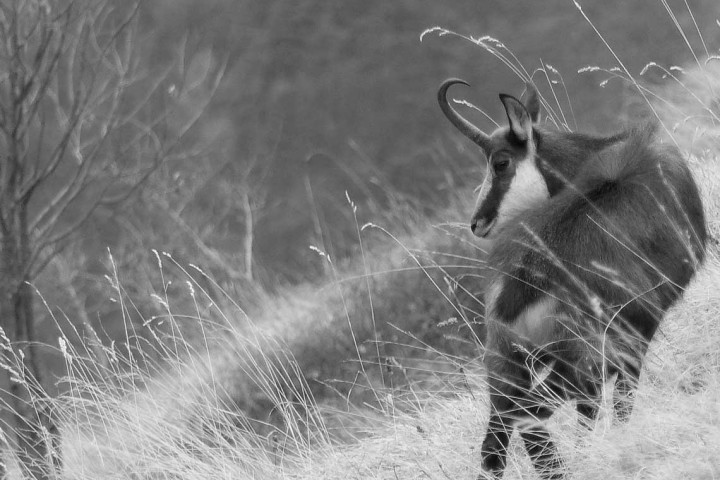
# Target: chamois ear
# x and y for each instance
(518, 117)
(532, 103)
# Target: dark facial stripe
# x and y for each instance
(491, 204)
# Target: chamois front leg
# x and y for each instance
(508, 378)
(513, 403)
(505, 382)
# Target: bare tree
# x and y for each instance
(83, 123)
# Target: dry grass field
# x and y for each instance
(323, 381)
(126, 418)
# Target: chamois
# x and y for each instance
(594, 238)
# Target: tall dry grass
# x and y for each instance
(245, 396)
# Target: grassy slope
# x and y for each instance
(674, 432)
(184, 425)
(186, 419)
(181, 428)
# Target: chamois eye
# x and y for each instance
(500, 165)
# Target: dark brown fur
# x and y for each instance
(614, 246)
(580, 281)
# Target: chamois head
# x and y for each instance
(513, 181)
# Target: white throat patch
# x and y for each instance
(527, 190)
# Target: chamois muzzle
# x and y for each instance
(481, 227)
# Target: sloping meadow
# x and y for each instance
(319, 365)
(373, 374)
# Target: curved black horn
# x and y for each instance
(465, 127)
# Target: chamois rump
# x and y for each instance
(594, 238)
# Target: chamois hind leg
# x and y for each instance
(625, 386)
(511, 400)
(588, 411)
(629, 372)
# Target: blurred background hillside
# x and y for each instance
(344, 93)
(319, 98)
